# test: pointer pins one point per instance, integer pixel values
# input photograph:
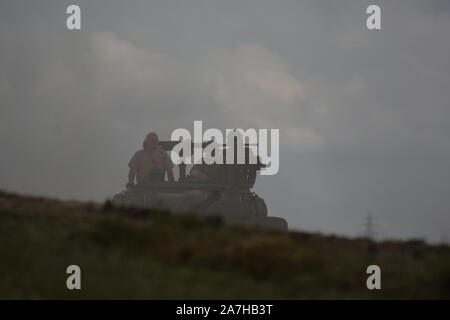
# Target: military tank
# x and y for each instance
(228, 195)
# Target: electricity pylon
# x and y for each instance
(370, 227)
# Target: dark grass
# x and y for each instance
(150, 254)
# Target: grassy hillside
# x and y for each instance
(125, 253)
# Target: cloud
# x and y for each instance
(301, 139)
(121, 68)
(253, 82)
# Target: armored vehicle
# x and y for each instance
(228, 195)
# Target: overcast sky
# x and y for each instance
(364, 116)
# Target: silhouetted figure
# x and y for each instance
(151, 163)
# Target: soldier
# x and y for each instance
(151, 163)
(203, 172)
